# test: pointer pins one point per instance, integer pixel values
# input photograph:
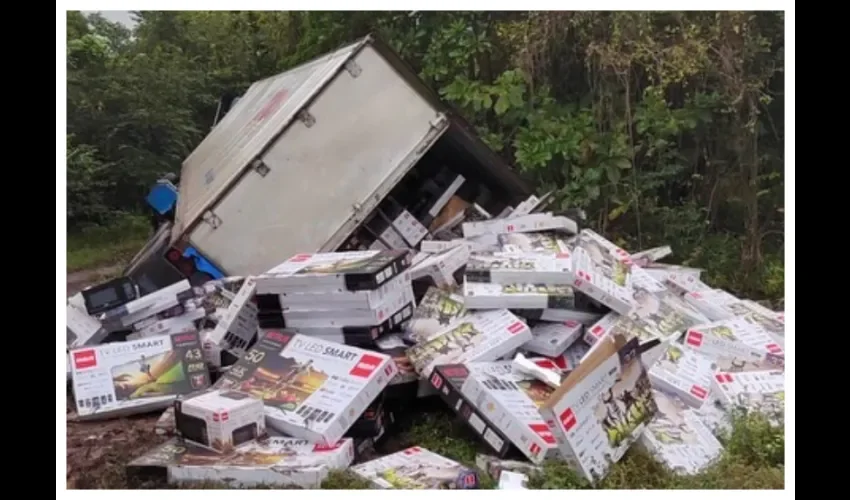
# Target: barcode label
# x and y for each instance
(500, 385)
(310, 414)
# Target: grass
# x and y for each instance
(98, 246)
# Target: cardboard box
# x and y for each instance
(447, 381)
(479, 336)
(440, 268)
(416, 469)
(406, 380)
(732, 338)
(511, 401)
(521, 224)
(714, 304)
(586, 318)
(334, 272)
(275, 461)
(651, 255)
(240, 317)
(133, 312)
(436, 311)
(363, 299)
(570, 359)
(517, 296)
(510, 268)
(83, 329)
(601, 408)
(552, 339)
(220, 419)
(494, 466)
(762, 392)
(542, 242)
(321, 316)
(678, 438)
(124, 378)
(312, 389)
(684, 373)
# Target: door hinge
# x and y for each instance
(306, 118)
(260, 167)
(353, 69)
(212, 219)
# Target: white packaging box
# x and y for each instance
(661, 318)
(312, 389)
(601, 408)
(240, 318)
(762, 392)
(177, 324)
(124, 378)
(275, 461)
(610, 286)
(510, 268)
(714, 304)
(586, 318)
(444, 198)
(364, 299)
(521, 224)
(715, 417)
(570, 359)
(149, 305)
(651, 255)
(677, 437)
(494, 466)
(220, 420)
(517, 296)
(442, 266)
(334, 272)
(597, 331)
(83, 329)
(322, 317)
(663, 272)
(544, 242)
(684, 283)
(211, 349)
(478, 336)
(552, 339)
(769, 321)
(526, 206)
(732, 338)
(510, 401)
(437, 310)
(405, 231)
(755, 306)
(684, 373)
(412, 469)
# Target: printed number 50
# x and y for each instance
(254, 356)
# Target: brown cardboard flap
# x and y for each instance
(610, 347)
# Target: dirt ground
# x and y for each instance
(98, 451)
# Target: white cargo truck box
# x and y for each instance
(305, 157)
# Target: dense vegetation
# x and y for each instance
(668, 127)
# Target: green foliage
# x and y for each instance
(666, 127)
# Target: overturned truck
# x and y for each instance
(348, 151)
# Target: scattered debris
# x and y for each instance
(548, 340)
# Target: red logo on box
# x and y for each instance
(543, 431)
(278, 337)
(723, 378)
(326, 447)
(437, 381)
(516, 327)
(568, 419)
(455, 371)
(85, 359)
(411, 451)
(694, 338)
(184, 338)
(570, 323)
(220, 416)
(301, 257)
(773, 348)
(365, 366)
(534, 448)
(561, 362)
(597, 331)
(562, 255)
(699, 392)
(510, 228)
(545, 363)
